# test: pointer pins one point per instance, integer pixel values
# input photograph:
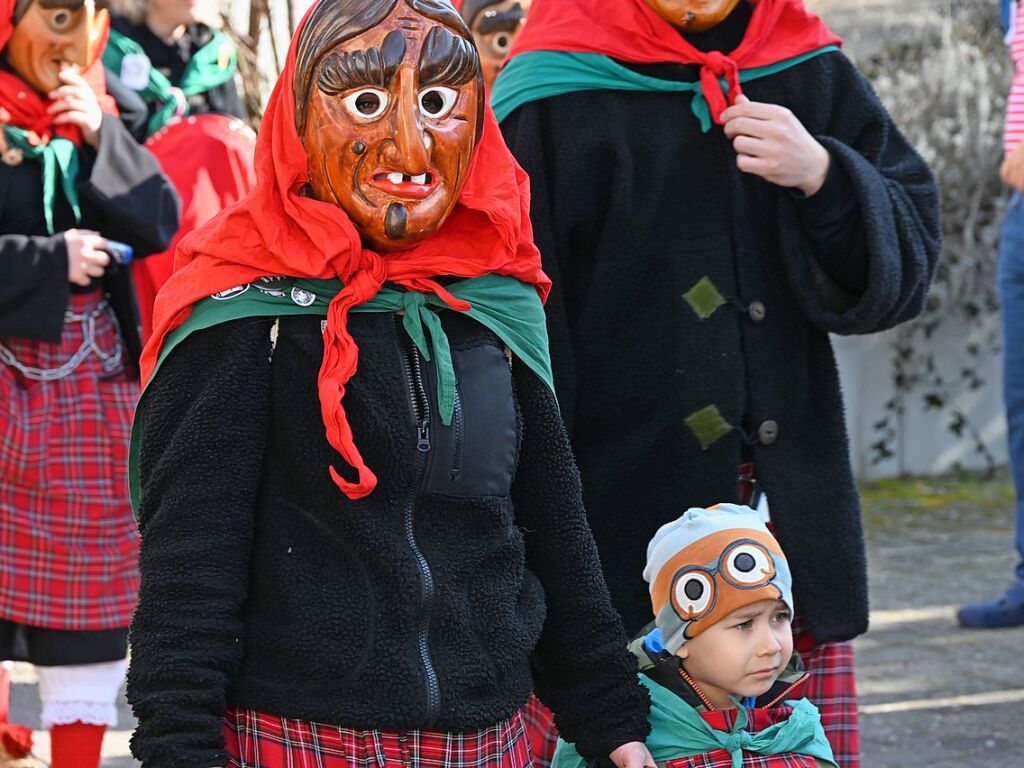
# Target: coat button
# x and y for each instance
(756, 311)
(768, 432)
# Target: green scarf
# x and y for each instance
(678, 730)
(59, 160)
(507, 306)
(212, 65)
(541, 74)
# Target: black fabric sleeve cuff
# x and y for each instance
(35, 290)
(831, 219)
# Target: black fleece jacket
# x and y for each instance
(425, 605)
(692, 304)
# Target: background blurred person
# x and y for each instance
(703, 239)
(72, 179)
(1007, 610)
(167, 52)
(494, 24)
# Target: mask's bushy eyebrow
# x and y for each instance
(446, 58)
(341, 72)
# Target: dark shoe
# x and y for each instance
(1007, 611)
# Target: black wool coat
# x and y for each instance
(466, 579)
(692, 304)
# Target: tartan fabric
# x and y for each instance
(540, 730)
(832, 689)
(256, 740)
(68, 542)
(758, 720)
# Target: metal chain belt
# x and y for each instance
(111, 360)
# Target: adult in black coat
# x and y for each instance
(693, 302)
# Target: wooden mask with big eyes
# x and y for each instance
(50, 35)
(393, 117)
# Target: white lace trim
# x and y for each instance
(88, 712)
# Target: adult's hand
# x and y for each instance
(87, 257)
(772, 143)
(1012, 169)
(632, 755)
(75, 103)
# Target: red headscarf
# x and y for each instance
(22, 107)
(778, 30)
(277, 231)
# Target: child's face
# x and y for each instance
(741, 655)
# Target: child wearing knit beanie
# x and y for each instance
(718, 661)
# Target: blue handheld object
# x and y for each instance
(120, 252)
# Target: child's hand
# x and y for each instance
(772, 143)
(632, 755)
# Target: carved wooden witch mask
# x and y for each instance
(50, 35)
(495, 24)
(389, 98)
(693, 15)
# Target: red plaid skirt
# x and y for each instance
(256, 740)
(832, 689)
(68, 542)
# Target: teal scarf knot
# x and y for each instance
(541, 74)
(678, 730)
(509, 307)
(59, 161)
(415, 317)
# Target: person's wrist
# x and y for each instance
(816, 179)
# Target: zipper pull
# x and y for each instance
(423, 436)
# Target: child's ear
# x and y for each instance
(683, 651)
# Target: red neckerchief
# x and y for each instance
(22, 107)
(778, 30)
(275, 230)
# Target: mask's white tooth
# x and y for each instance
(421, 179)
(395, 178)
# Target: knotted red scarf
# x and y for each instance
(275, 230)
(23, 107)
(778, 30)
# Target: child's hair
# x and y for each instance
(707, 564)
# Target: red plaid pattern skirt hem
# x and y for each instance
(256, 740)
(68, 542)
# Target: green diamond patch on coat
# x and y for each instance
(704, 298)
(708, 425)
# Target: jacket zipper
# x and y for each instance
(421, 417)
(458, 430)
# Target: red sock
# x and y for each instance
(15, 740)
(76, 745)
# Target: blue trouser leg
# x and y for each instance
(1011, 295)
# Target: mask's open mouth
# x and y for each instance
(403, 185)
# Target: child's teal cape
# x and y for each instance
(678, 730)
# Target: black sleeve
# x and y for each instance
(34, 290)
(582, 669)
(203, 425)
(127, 194)
(226, 100)
(565, 240)
(897, 200)
(831, 219)
(131, 108)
